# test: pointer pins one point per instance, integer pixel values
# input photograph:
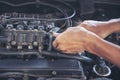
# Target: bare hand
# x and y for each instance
(74, 40)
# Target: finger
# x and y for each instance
(55, 44)
(56, 34)
(73, 51)
(69, 52)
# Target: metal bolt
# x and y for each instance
(19, 47)
(54, 72)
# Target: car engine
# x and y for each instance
(26, 51)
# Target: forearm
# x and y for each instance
(114, 25)
(102, 28)
(109, 27)
(107, 50)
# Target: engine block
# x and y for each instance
(22, 38)
(24, 31)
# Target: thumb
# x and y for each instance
(56, 34)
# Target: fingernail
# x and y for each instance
(56, 34)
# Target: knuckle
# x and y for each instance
(70, 28)
(55, 43)
(85, 22)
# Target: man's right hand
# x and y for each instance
(75, 40)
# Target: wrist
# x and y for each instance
(93, 46)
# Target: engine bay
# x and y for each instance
(26, 51)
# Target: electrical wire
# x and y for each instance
(5, 74)
(73, 9)
(42, 3)
(39, 77)
(69, 21)
(61, 55)
(50, 54)
(57, 78)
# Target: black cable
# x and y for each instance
(50, 54)
(73, 9)
(29, 3)
(5, 74)
(58, 78)
(42, 3)
(65, 14)
(61, 55)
